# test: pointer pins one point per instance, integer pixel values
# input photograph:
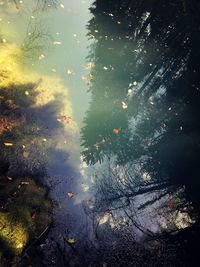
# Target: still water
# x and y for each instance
(54, 43)
(66, 47)
(100, 103)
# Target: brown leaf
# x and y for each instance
(70, 194)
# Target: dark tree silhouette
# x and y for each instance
(145, 101)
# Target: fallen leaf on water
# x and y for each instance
(70, 194)
(70, 72)
(115, 130)
(130, 92)
(71, 241)
(64, 119)
(25, 154)
(41, 57)
(24, 183)
(8, 144)
(57, 43)
(83, 78)
(124, 105)
(33, 215)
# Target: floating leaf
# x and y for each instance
(124, 105)
(70, 72)
(24, 183)
(57, 43)
(26, 154)
(64, 119)
(8, 144)
(71, 241)
(33, 215)
(70, 194)
(41, 57)
(115, 130)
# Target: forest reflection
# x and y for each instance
(131, 197)
(142, 125)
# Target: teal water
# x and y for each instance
(109, 102)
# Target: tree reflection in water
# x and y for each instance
(144, 82)
(140, 135)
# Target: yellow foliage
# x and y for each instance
(50, 91)
(10, 70)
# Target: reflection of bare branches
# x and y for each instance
(41, 5)
(44, 5)
(120, 191)
(36, 40)
(116, 187)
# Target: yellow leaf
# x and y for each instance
(8, 144)
(71, 241)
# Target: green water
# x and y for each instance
(102, 105)
(65, 25)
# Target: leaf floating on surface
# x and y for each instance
(70, 194)
(8, 144)
(115, 130)
(71, 241)
(64, 119)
